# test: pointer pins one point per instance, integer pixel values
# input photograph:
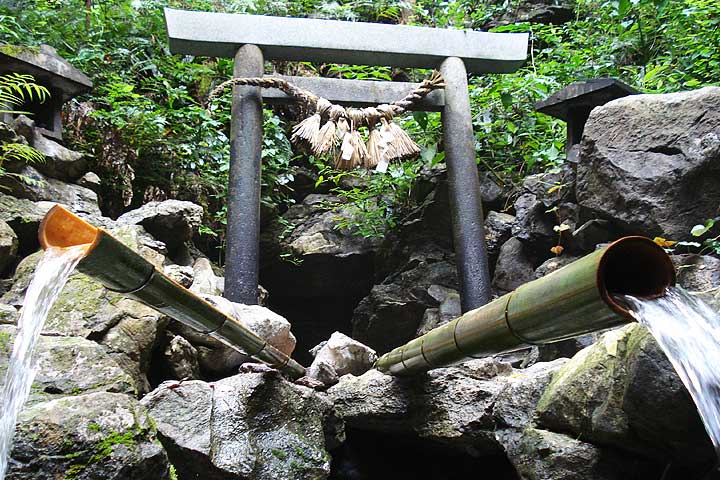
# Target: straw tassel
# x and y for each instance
(403, 145)
(374, 150)
(327, 138)
(343, 158)
(308, 131)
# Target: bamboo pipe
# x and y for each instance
(121, 270)
(571, 301)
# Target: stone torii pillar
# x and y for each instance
(252, 39)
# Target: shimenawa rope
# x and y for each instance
(339, 134)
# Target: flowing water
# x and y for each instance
(48, 280)
(689, 332)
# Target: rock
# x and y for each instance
(220, 361)
(498, 230)
(181, 359)
(181, 274)
(79, 200)
(172, 221)
(24, 217)
(91, 181)
(547, 200)
(514, 267)
(618, 393)
(262, 321)
(553, 12)
(68, 366)
(250, 426)
(697, 273)
(8, 314)
(553, 264)
(330, 261)
(393, 311)
(86, 437)
(449, 406)
(341, 355)
(593, 233)
(25, 127)
(649, 163)
(8, 246)
(449, 309)
(60, 162)
(205, 282)
(515, 405)
(492, 194)
(542, 455)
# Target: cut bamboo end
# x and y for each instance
(62, 229)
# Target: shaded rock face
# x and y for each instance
(340, 355)
(172, 221)
(8, 246)
(314, 272)
(60, 162)
(226, 430)
(618, 392)
(90, 436)
(24, 217)
(651, 163)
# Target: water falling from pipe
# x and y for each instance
(50, 276)
(688, 331)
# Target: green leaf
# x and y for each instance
(700, 230)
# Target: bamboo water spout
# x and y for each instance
(574, 300)
(121, 270)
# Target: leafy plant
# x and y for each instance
(16, 89)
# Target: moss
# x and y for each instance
(173, 473)
(279, 454)
(101, 450)
(5, 341)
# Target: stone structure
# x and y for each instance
(51, 71)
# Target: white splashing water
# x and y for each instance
(50, 276)
(688, 331)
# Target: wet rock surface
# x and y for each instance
(89, 436)
(249, 426)
(172, 221)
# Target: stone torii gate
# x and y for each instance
(252, 39)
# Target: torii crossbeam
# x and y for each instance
(252, 39)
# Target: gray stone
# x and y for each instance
(618, 393)
(325, 41)
(8, 314)
(8, 246)
(79, 200)
(182, 359)
(87, 437)
(553, 264)
(68, 366)
(498, 230)
(183, 275)
(697, 273)
(393, 311)
(593, 233)
(450, 406)
(205, 282)
(515, 405)
(25, 127)
(542, 455)
(649, 163)
(250, 426)
(91, 181)
(172, 221)
(262, 321)
(24, 218)
(341, 355)
(514, 267)
(60, 162)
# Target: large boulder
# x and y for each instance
(651, 163)
(618, 392)
(60, 162)
(514, 266)
(39, 187)
(68, 366)
(172, 221)
(340, 355)
(86, 437)
(250, 426)
(24, 217)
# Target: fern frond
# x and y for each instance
(17, 88)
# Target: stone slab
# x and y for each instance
(583, 96)
(305, 39)
(356, 93)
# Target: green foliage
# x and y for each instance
(15, 90)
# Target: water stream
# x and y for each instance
(50, 276)
(688, 331)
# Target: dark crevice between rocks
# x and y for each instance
(371, 455)
(318, 296)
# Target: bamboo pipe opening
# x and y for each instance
(62, 229)
(634, 266)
